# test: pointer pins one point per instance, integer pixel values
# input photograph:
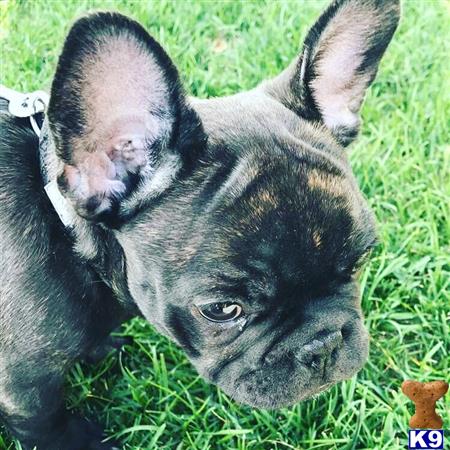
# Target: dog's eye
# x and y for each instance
(221, 312)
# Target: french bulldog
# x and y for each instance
(234, 225)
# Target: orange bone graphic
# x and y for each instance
(425, 396)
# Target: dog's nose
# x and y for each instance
(321, 351)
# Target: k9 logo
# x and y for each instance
(426, 439)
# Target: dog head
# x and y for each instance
(240, 220)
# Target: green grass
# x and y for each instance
(150, 396)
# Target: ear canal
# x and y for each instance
(115, 105)
(339, 61)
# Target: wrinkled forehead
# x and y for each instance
(283, 214)
(266, 185)
(266, 208)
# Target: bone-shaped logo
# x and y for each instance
(425, 396)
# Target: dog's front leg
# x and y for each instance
(32, 406)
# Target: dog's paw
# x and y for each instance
(81, 434)
(112, 343)
(101, 445)
(96, 438)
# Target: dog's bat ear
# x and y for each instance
(339, 61)
(117, 115)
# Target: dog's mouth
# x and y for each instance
(294, 375)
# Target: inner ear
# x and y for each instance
(123, 98)
(114, 102)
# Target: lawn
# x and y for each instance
(149, 396)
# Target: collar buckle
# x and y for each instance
(26, 105)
